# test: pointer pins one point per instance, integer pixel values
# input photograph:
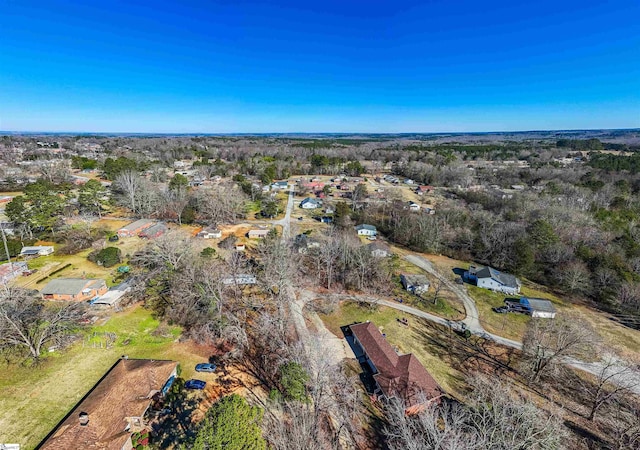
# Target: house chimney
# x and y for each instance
(84, 419)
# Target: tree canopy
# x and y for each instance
(231, 424)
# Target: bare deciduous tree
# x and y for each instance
(546, 342)
(26, 322)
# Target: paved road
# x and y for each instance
(285, 222)
(617, 372)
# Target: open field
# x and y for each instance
(417, 337)
(33, 400)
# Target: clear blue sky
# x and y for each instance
(318, 66)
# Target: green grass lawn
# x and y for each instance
(425, 340)
(34, 399)
(510, 325)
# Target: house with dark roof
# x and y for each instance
(114, 408)
(400, 377)
(494, 280)
(73, 289)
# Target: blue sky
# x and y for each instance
(318, 66)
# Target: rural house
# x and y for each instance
(114, 409)
(379, 249)
(396, 377)
(39, 250)
(210, 233)
(258, 234)
(421, 190)
(73, 289)
(134, 228)
(413, 206)
(279, 185)
(494, 280)
(154, 231)
(310, 203)
(415, 283)
(538, 307)
(366, 230)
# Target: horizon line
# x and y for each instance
(270, 133)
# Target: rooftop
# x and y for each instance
(398, 376)
(71, 286)
(505, 279)
(125, 391)
(137, 224)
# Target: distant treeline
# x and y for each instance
(594, 145)
(617, 163)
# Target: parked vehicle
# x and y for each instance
(205, 367)
(195, 384)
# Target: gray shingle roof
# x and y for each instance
(365, 226)
(70, 286)
(540, 304)
(505, 279)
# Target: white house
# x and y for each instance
(39, 250)
(279, 185)
(310, 203)
(258, 234)
(366, 230)
(414, 283)
(210, 233)
(494, 280)
(379, 250)
(413, 206)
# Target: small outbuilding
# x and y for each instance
(538, 307)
